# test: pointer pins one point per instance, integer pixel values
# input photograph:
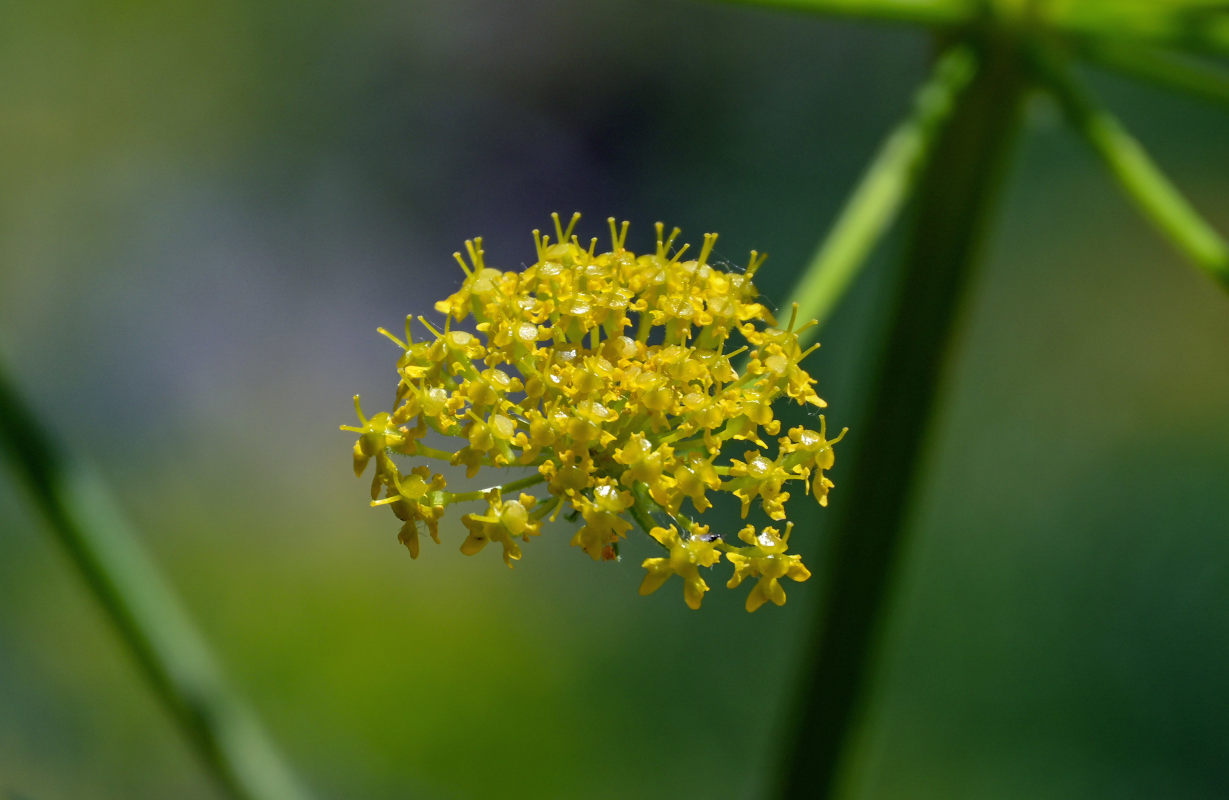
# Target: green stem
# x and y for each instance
(878, 197)
(954, 199)
(510, 486)
(641, 515)
(549, 505)
(423, 451)
(1157, 198)
(645, 507)
(148, 616)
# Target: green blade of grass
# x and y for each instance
(876, 201)
(148, 616)
(1153, 193)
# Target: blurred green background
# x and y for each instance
(208, 209)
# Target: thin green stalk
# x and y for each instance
(511, 486)
(640, 513)
(146, 613)
(876, 201)
(954, 199)
(1154, 194)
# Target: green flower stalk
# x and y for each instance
(611, 377)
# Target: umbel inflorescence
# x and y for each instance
(611, 379)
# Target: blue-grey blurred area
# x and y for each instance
(208, 208)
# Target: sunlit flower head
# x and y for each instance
(614, 383)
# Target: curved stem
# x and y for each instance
(953, 202)
(152, 624)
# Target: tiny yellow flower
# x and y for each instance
(618, 382)
(414, 498)
(503, 521)
(685, 559)
(372, 440)
(766, 559)
(758, 476)
(604, 523)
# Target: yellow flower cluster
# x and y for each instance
(610, 376)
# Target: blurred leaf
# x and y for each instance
(1169, 70)
(926, 12)
(1195, 24)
